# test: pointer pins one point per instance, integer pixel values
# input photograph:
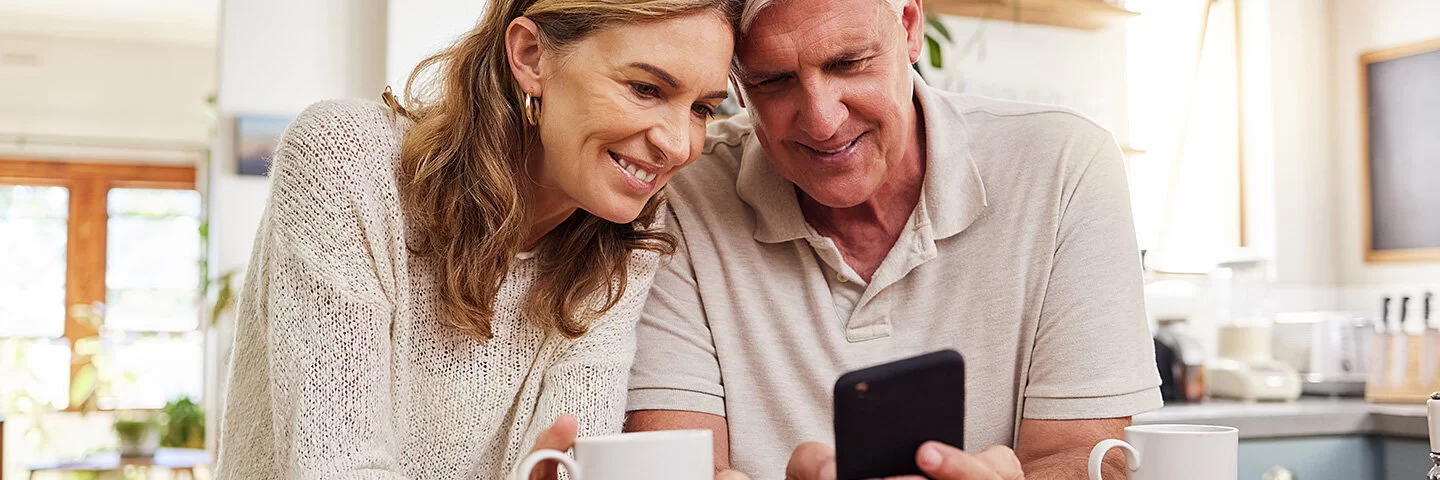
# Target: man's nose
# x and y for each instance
(821, 111)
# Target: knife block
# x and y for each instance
(1395, 376)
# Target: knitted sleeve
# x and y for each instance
(312, 375)
(588, 378)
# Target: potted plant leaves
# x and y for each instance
(184, 425)
(138, 438)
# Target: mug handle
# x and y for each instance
(523, 471)
(1132, 456)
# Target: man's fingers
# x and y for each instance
(811, 461)
(944, 462)
(1003, 460)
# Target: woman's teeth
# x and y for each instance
(636, 172)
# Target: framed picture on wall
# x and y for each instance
(1399, 111)
(256, 137)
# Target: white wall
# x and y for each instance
(1361, 26)
(1290, 163)
(276, 57)
(419, 28)
(1081, 69)
(104, 92)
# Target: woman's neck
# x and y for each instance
(549, 208)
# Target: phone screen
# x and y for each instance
(884, 413)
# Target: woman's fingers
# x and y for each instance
(731, 475)
(560, 436)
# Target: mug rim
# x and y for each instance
(650, 435)
(1182, 428)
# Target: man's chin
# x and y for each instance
(839, 195)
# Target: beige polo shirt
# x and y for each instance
(1021, 255)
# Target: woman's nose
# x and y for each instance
(671, 137)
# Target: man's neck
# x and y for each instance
(865, 233)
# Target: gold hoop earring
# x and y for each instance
(532, 110)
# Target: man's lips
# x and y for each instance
(831, 148)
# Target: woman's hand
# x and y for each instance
(560, 436)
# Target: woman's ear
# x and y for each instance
(522, 50)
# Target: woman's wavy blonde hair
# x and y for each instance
(464, 183)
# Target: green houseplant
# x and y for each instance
(936, 38)
(138, 438)
(184, 424)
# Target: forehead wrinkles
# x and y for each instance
(776, 40)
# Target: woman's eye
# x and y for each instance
(645, 90)
(703, 111)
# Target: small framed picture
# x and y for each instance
(256, 137)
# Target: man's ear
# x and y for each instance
(912, 19)
(522, 51)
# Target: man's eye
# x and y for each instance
(767, 83)
(645, 90)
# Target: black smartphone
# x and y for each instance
(884, 413)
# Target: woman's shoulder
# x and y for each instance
(345, 126)
(342, 141)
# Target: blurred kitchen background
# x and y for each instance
(1284, 160)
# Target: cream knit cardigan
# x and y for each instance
(341, 368)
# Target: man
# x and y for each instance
(857, 216)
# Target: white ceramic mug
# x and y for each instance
(1174, 452)
(662, 455)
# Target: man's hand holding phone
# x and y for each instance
(816, 461)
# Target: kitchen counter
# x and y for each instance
(1307, 417)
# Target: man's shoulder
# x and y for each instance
(1025, 142)
(714, 174)
(705, 192)
(725, 145)
(993, 119)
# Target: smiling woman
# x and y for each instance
(438, 280)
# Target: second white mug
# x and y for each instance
(1174, 452)
(662, 455)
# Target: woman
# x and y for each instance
(435, 285)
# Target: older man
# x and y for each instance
(858, 216)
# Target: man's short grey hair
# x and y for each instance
(753, 8)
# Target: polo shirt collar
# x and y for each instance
(952, 196)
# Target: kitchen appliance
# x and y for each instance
(1328, 349)
(1179, 355)
(1266, 381)
(1246, 368)
(1181, 362)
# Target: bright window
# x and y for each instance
(1183, 83)
(32, 255)
(119, 240)
(152, 261)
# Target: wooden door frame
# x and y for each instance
(88, 184)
